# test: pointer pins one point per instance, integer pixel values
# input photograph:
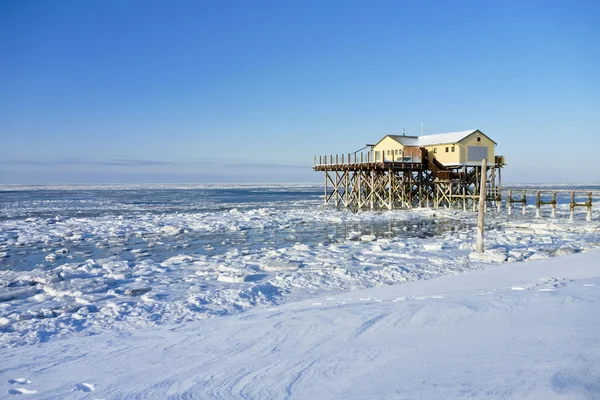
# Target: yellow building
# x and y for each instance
(466, 148)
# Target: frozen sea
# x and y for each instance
(87, 259)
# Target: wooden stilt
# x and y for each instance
(372, 189)
(553, 202)
(572, 207)
(524, 201)
(326, 178)
(588, 205)
(480, 219)
(509, 201)
(538, 204)
(390, 190)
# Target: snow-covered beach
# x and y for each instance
(159, 292)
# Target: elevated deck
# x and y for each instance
(367, 166)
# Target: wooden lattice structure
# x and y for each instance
(357, 181)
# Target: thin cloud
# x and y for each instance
(117, 162)
(137, 163)
(132, 163)
(266, 165)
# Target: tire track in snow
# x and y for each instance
(369, 324)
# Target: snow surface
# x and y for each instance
(105, 272)
(438, 138)
(156, 293)
(518, 331)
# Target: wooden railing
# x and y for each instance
(408, 157)
(552, 195)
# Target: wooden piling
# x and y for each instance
(372, 190)
(572, 207)
(480, 219)
(538, 204)
(509, 201)
(524, 201)
(588, 205)
(390, 190)
(553, 214)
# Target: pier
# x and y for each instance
(356, 180)
(434, 171)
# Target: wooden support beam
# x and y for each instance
(326, 177)
(480, 219)
(588, 205)
(572, 207)
(390, 191)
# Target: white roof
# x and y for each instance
(430, 140)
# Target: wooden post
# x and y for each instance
(420, 189)
(538, 203)
(572, 207)
(524, 201)
(500, 178)
(326, 176)
(499, 199)
(464, 198)
(390, 191)
(371, 190)
(480, 222)
(588, 205)
(346, 198)
(553, 215)
(337, 187)
(509, 202)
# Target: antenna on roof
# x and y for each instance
(422, 128)
(403, 132)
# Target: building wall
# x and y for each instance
(471, 140)
(444, 153)
(460, 155)
(392, 149)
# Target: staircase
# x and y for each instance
(438, 169)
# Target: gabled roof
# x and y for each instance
(430, 140)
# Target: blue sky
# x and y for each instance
(249, 91)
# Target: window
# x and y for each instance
(396, 151)
(388, 152)
(435, 149)
(479, 139)
(447, 149)
(453, 149)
